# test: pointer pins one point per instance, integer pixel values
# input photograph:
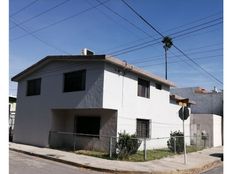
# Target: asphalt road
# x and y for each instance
(218, 170)
(25, 164)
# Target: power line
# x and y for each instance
(142, 18)
(142, 45)
(199, 25)
(180, 26)
(41, 13)
(203, 57)
(25, 7)
(161, 56)
(111, 19)
(36, 37)
(195, 21)
(198, 30)
(125, 19)
(198, 65)
(59, 21)
(125, 50)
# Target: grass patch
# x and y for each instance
(151, 155)
(190, 149)
(139, 156)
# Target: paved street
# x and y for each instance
(25, 164)
(218, 170)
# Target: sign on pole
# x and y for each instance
(184, 114)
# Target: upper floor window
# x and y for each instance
(33, 87)
(143, 128)
(158, 86)
(74, 81)
(143, 88)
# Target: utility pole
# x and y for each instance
(166, 62)
(167, 41)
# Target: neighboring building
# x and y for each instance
(206, 102)
(207, 113)
(12, 110)
(211, 124)
(95, 95)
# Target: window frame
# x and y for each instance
(78, 87)
(32, 87)
(148, 128)
(142, 83)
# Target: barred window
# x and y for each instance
(143, 128)
(143, 88)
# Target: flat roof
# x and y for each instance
(98, 58)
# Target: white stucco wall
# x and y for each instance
(217, 130)
(105, 88)
(120, 92)
(34, 114)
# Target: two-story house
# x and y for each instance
(96, 96)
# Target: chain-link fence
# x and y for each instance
(110, 144)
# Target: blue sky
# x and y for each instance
(40, 27)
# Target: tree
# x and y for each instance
(167, 41)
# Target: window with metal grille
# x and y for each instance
(143, 128)
(33, 87)
(89, 125)
(74, 81)
(143, 88)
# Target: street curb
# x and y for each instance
(195, 170)
(200, 169)
(77, 164)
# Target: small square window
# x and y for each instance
(143, 128)
(33, 87)
(158, 86)
(74, 81)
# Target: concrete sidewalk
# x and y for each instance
(197, 161)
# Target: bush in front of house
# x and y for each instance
(179, 145)
(127, 145)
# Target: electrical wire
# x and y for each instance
(36, 37)
(41, 13)
(194, 62)
(25, 7)
(59, 21)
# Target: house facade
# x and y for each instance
(95, 97)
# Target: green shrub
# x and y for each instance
(179, 141)
(127, 145)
